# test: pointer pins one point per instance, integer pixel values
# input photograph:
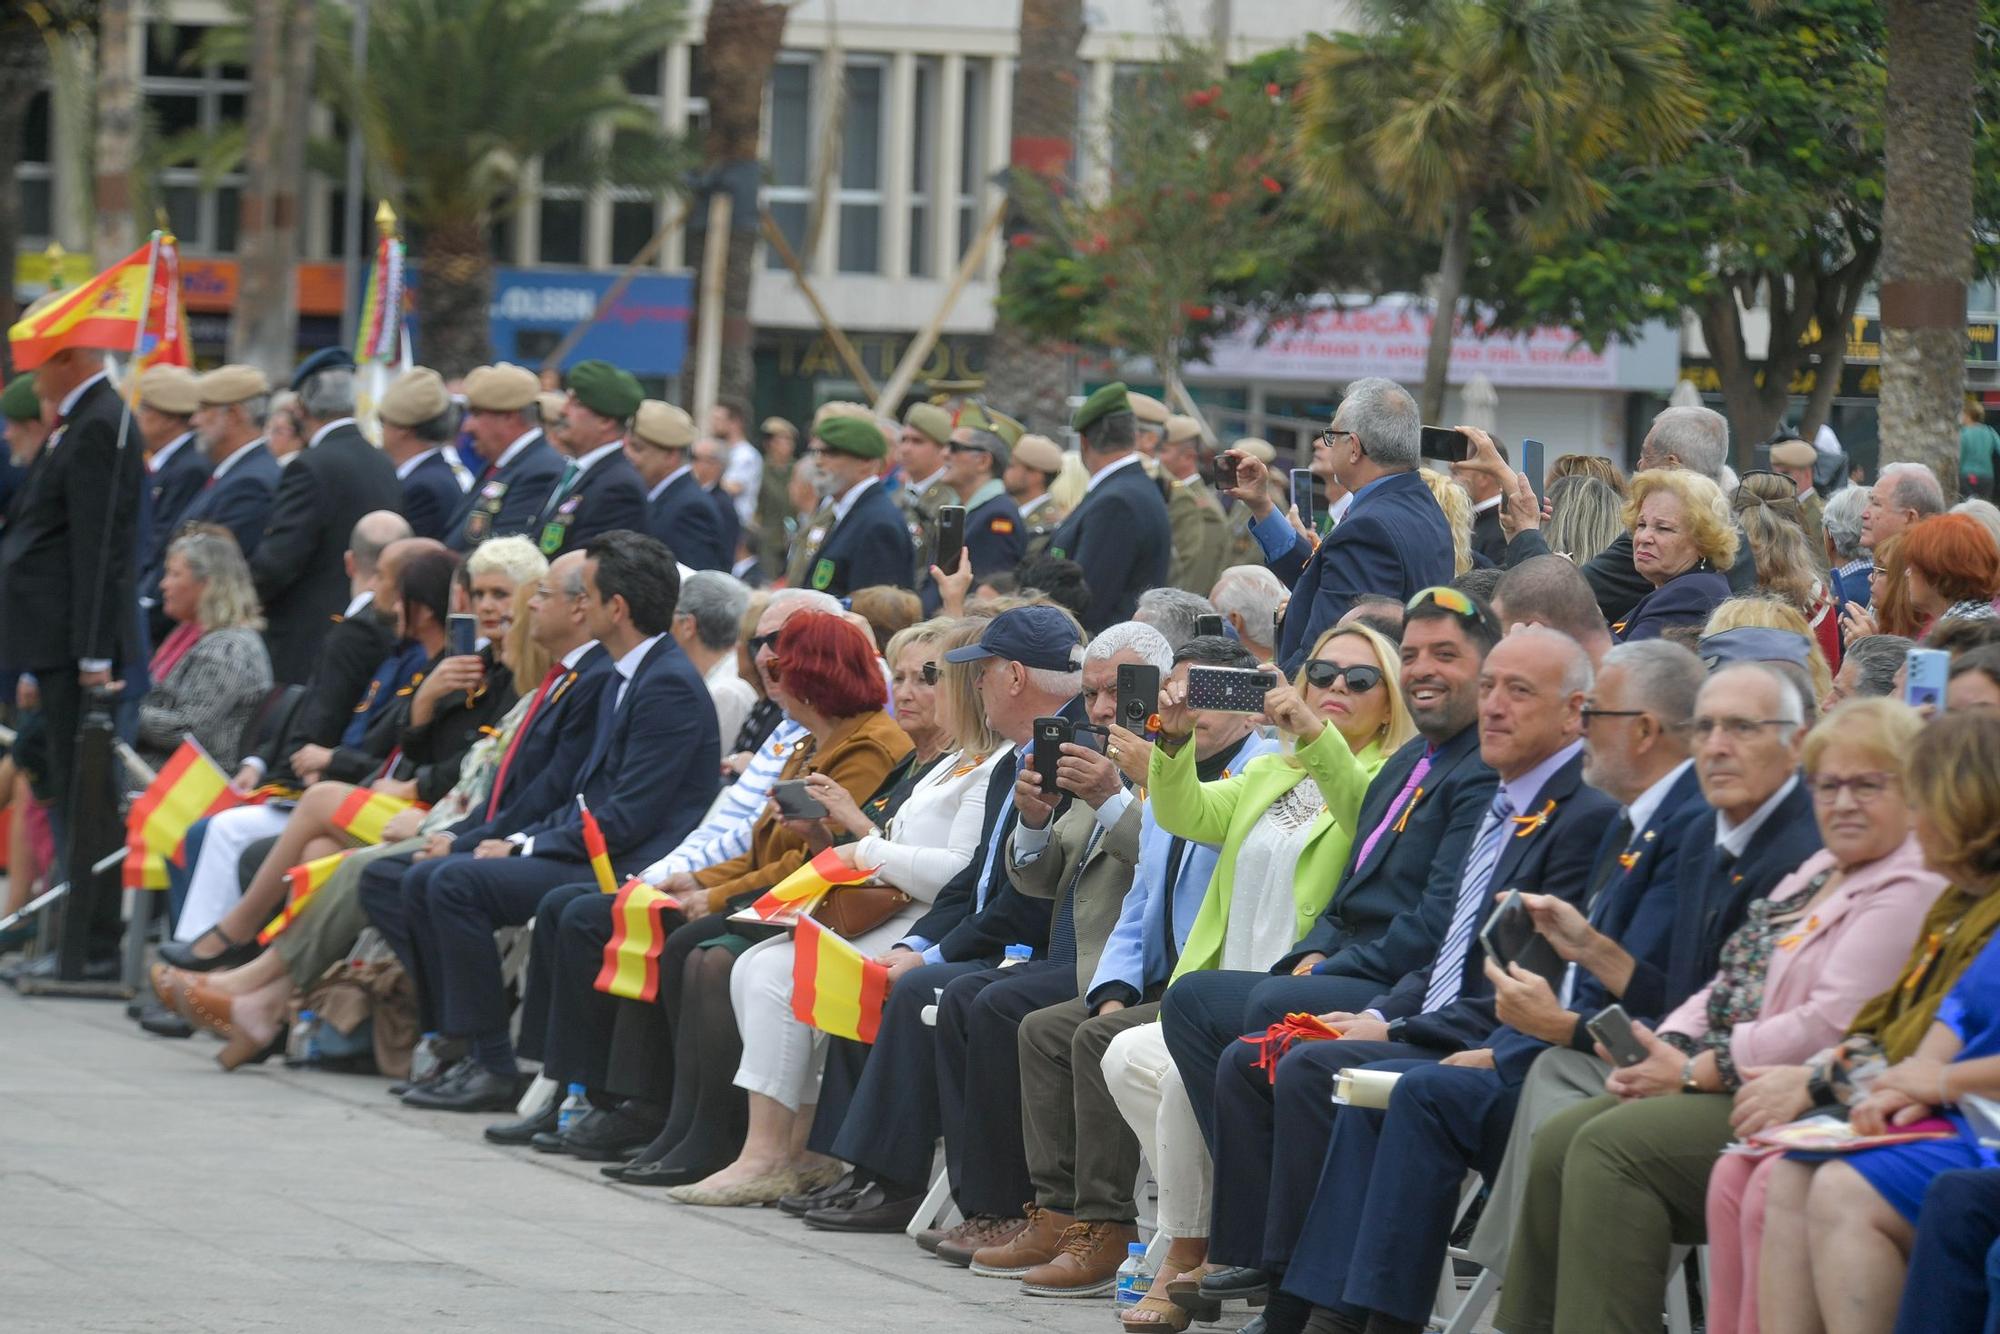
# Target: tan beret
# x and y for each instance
(552, 404)
(169, 389)
(1149, 410)
(1794, 454)
(662, 425)
(778, 426)
(1181, 428)
(1256, 448)
(840, 408)
(226, 385)
(931, 420)
(417, 395)
(502, 388)
(1039, 452)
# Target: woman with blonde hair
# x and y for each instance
(1682, 538)
(1456, 502)
(1786, 569)
(1587, 465)
(1585, 515)
(1763, 611)
(211, 673)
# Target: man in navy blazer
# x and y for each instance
(868, 542)
(503, 417)
(418, 422)
(678, 512)
(243, 477)
(650, 774)
(1119, 532)
(598, 489)
(710, 461)
(175, 467)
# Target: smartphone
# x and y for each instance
(1050, 736)
(950, 537)
(795, 802)
(1302, 496)
(1225, 472)
(1210, 625)
(463, 631)
(1510, 937)
(1532, 454)
(1229, 689)
(1444, 444)
(1929, 668)
(1613, 1027)
(1138, 694)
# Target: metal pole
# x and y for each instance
(351, 205)
(708, 313)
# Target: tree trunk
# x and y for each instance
(1753, 397)
(455, 294)
(24, 60)
(1024, 375)
(1927, 230)
(256, 330)
(1455, 259)
(114, 234)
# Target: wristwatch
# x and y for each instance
(1688, 1081)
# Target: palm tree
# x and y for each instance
(1438, 115)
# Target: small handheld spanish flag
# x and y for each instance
(189, 787)
(632, 956)
(600, 854)
(835, 988)
(305, 881)
(366, 814)
(798, 892)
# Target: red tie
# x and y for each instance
(541, 698)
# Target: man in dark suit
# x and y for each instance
(1488, 539)
(651, 773)
(994, 533)
(598, 489)
(418, 422)
(1119, 534)
(243, 477)
(710, 460)
(521, 469)
(868, 541)
(327, 487)
(678, 512)
(175, 468)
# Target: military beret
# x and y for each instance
(1005, 427)
(605, 389)
(778, 426)
(18, 401)
(1149, 410)
(857, 436)
(1257, 449)
(326, 359)
(226, 385)
(168, 389)
(839, 408)
(929, 419)
(1794, 454)
(1181, 428)
(1101, 404)
(552, 404)
(417, 395)
(1040, 453)
(662, 425)
(502, 388)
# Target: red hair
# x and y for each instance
(1956, 556)
(828, 664)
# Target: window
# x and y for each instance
(791, 123)
(561, 209)
(31, 177)
(861, 167)
(185, 95)
(923, 164)
(973, 167)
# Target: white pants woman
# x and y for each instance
(1146, 1085)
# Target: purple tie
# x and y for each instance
(1396, 807)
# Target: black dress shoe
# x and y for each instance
(871, 1210)
(472, 1088)
(1241, 1283)
(602, 1136)
(157, 1019)
(659, 1173)
(839, 1194)
(527, 1129)
(180, 953)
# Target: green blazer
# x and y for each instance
(1223, 812)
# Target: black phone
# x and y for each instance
(1225, 472)
(463, 631)
(1138, 694)
(1613, 1027)
(1050, 736)
(1210, 624)
(1532, 455)
(1229, 689)
(1510, 937)
(1444, 444)
(1302, 496)
(795, 802)
(950, 537)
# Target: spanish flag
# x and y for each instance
(115, 310)
(188, 787)
(798, 892)
(593, 843)
(305, 881)
(834, 987)
(365, 814)
(632, 958)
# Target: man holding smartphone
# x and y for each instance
(995, 536)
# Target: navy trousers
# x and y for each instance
(395, 893)
(979, 1080)
(469, 899)
(1953, 1278)
(566, 1022)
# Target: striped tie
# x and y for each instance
(1473, 892)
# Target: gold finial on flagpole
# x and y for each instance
(385, 219)
(55, 255)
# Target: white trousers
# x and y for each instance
(1146, 1085)
(214, 885)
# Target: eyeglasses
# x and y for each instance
(1329, 435)
(1867, 788)
(961, 447)
(1879, 571)
(1591, 714)
(1736, 729)
(758, 643)
(1360, 677)
(931, 673)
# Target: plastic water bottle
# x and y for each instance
(1135, 1276)
(301, 1044)
(1017, 954)
(573, 1108)
(424, 1060)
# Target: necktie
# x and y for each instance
(1396, 807)
(1062, 932)
(514, 744)
(562, 487)
(1473, 894)
(1003, 825)
(1607, 870)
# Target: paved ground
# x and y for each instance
(142, 1189)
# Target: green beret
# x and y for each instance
(1107, 400)
(18, 402)
(605, 389)
(852, 435)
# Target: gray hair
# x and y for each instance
(1914, 487)
(228, 597)
(1577, 673)
(1052, 682)
(1385, 419)
(1698, 437)
(1250, 592)
(328, 394)
(1983, 510)
(717, 602)
(1842, 518)
(1792, 706)
(373, 532)
(1664, 677)
(1875, 659)
(516, 557)
(256, 409)
(1149, 644)
(1174, 612)
(802, 599)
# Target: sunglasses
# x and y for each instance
(961, 447)
(932, 673)
(758, 643)
(1451, 599)
(1360, 678)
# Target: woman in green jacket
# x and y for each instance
(1286, 823)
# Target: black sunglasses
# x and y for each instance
(1360, 678)
(931, 673)
(758, 643)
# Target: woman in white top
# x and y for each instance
(932, 837)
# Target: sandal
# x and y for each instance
(1166, 1314)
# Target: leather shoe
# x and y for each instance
(803, 1203)
(658, 1173)
(1240, 1283)
(157, 1019)
(599, 1136)
(871, 1210)
(472, 1088)
(180, 953)
(527, 1129)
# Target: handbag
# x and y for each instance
(854, 910)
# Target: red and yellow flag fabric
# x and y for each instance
(632, 957)
(365, 814)
(116, 311)
(600, 854)
(188, 787)
(799, 892)
(304, 881)
(835, 988)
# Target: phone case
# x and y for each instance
(1228, 689)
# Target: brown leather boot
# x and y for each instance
(1035, 1244)
(1086, 1262)
(957, 1246)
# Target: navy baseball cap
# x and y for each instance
(1753, 644)
(326, 359)
(1032, 636)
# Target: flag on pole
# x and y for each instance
(632, 957)
(835, 988)
(593, 843)
(117, 310)
(379, 330)
(304, 881)
(189, 787)
(365, 814)
(800, 891)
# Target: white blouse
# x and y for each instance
(936, 832)
(1263, 912)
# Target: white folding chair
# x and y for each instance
(1456, 1314)
(938, 1208)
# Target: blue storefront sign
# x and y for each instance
(644, 330)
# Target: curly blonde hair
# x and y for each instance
(1456, 502)
(1768, 611)
(1710, 525)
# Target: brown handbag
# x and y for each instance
(852, 911)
